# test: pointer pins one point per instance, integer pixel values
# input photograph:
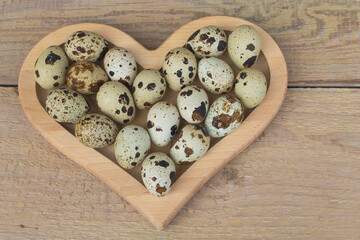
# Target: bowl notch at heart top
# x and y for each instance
(159, 211)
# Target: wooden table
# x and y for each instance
(299, 180)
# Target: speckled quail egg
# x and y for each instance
(85, 46)
(250, 87)
(244, 46)
(86, 77)
(209, 41)
(189, 144)
(131, 146)
(149, 87)
(158, 173)
(120, 65)
(115, 100)
(66, 105)
(193, 104)
(216, 75)
(163, 120)
(225, 114)
(96, 130)
(50, 67)
(179, 68)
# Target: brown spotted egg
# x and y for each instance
(86, 77)
(209, 41)
(250, 87)
(189, 144)
(179, 68)
(149, 87)
(115, 100)
(66, 105)
(244, 46)
(96, 130)
(163, 120)
(50, 67)
(158, 173)
(216, 75)
(225, 114)
(131, 146)
(193, 104)
(85, 46)
(120, 65)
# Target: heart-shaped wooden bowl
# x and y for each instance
(159, 211)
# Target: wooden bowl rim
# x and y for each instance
(159, 211)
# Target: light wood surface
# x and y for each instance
(319, 38)
(159, 211)
(298, 180)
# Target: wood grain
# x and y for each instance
(320, 39)
(159, 211)
(299, 180)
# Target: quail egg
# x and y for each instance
(158, 173)
(209, 41)
(66, 105)
(225, 114)
(244, 46)
(149, 87)
(85, 46)
(179, 68)
(115, 100)
(131, 146)
(250, 87)
(86, 77)
(193, 104)
(50, 67)
(95, 130)
(216, 75)
(163, 120)
(120, 65)
(189, 144)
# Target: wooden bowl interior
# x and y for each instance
(141, 115)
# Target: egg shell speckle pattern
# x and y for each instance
(115, 100)
(85, 46)
(189, 144)
(209, 41)
(225, 114)
(149, 87)
(179, 68)
(96, 130)
(120, 65)
(158, 173)
(93, 65)
(66, 105)
(216, 75)
(250, 87)
(50, 68)
(86, 77)
(244, 46)
(163, 120)
(131, 146)
(193, 104)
